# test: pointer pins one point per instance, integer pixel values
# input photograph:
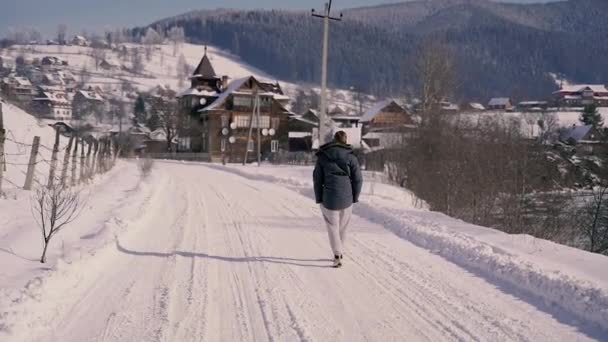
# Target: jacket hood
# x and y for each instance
(335, 150)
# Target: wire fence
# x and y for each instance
(72, 160)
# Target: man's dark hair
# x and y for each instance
(341, 137)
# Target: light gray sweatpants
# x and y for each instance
(337, 223)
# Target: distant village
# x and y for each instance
(222, 108)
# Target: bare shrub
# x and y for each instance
(53, 208)
(594, 221)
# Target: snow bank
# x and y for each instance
(572, 279)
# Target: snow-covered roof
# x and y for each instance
(22, 81)
(345, 117)
(197, 92)
(476, 105)
(450, 106)
(91, 95)
(576, 133)
(577, 88)
(281, 97)
(158, 135)
(500, 101)
(372, 112)
(232, 87)
(300, 118)
(533, 103)
(58, 98)
(299, 134)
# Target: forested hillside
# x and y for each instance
(500, 49)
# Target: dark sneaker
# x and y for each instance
(337, 261)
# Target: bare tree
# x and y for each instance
(84, 76)
(136, 61)
(61, 34)
(177, 36)
(595, 221)
(54, 208)
(183, 69)
(170, 119)
(436, 73)
(98, 54)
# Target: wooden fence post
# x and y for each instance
(52, 171)
(2, 137)
(66, 160)
(100, 154)
(82, 156)
(88, 160)
(94, 159)
(31, 167)
(74, 161)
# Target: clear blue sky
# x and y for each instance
(94, 15)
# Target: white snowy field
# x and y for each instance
(201, 252)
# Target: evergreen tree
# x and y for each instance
(591, 116)
(140, 110)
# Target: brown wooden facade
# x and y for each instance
(220, 114)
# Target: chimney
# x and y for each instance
(224, 82)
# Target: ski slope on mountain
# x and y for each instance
(212, 255)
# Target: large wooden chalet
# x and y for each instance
(219, 115)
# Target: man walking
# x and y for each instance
(337, 181)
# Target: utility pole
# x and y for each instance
(2, 137)
(259, 136)
(255, 106)
(323, 113)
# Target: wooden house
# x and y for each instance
(220, 116)
(383, 122)
(87, 102)
(52, 103)
(18, 89)
(500, 103)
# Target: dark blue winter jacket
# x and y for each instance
(337, 176)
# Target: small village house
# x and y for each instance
(580, 95)
(18, 89)
(52, 103)
(500, 103)
(87, 103)
(385, 124)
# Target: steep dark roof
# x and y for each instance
(204, 68)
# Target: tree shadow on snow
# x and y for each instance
(265, 259)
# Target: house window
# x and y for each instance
(275, 123)
(250, 146)
(184, 144)
(264, 122)
(224, 121)
(274, 146)
(223, 145)
(242, 101)
(242, 121)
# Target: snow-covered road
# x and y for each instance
(208, 255)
